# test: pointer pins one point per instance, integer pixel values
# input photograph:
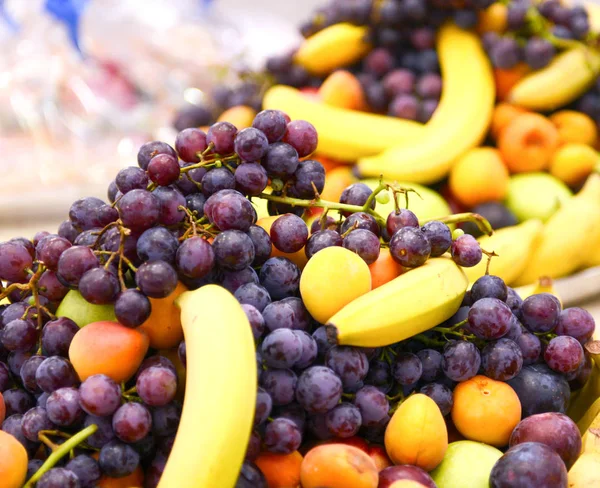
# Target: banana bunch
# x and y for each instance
(334, 47)
(566, 78)
(460, 122)
(513, 246)
(218, 411)
(585, 473)
(413, 302)
(569, 236)
(343, 134)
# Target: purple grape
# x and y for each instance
(271, 123)
(309, 349)
(232, 280)
(441, 395)
(181, 353)
(357, 194)
(63, 407)
(188, 143)
(538, 53)
(466, 251)
(350, 364)
(262, 244)
(222, 136)
(399, 82)
(17, 401)
(375, 96)
(15, 260)
(117, 459)
(344, 420)
(58, 478)
(157, 243)
(530, 464)
(103, 435)
(437, 233)
(232, 211)
(32, 466)
(489, 286)
(407, 368)
(251, 144)
(13, 425)
(309, 176)
(150, 149)
(564, 354)
(282, 436)
(19, 335)
(86, 469)
(99, 286)
(156, 360)
(195, 203)
(195, 257)
(531, 347)
(576, 322)
(264, 405)
(251, 477)
(579, 26)
(364, 243)
(319, 389)
(163, 169)
(373, 406)
(35, 420)
(516, 16)
(280, 277)
(50, 287)
(139, 209)
(5, 379)
(379, 375)
(489, 318)
(49, 250)
(27, 374)
(57, 336)
(460, 360)
(99, 395)
(281, 160)
(280, 384)
(279, 315)
(320, 240)
(26, 243)
(90, 212)
(360, 220)
(132, 178)
(302, 136)
(410, 247)
(506, 53)
(540, 313)
(379, 62)
(426, 110)
(253, 294)
(513, 300)
(16, 360)
(156, 279)
(157, 385)
(404, 107)
(170, 199)
(55, 372)
(281, 348)
(233, 250)
(501, 360)
(251, 178)
(131, 422)
(165, 419)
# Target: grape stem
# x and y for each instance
(59, 452)
(428, 341)
(483, 225)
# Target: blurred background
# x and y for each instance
(84, 82)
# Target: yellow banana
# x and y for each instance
(568, 236)
(582, 400)
(513, 245)
(567, 77)
(409, 304)
(334, 47)
(218, 409)
(544, 284)
(460, 122)
(343, 134)
(590, 417)
(585, 473)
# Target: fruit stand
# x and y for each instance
(367, 264)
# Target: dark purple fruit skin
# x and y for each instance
(407, 472)
(556, 430)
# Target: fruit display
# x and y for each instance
(217, 322)
(512, 134)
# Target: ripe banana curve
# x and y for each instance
(460, 122)
(567, 77)
(218, 410)
(585, 473)
(412, 303)
(343, 134)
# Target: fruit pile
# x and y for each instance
(302, 342)
(511, 135)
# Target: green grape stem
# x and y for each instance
(60, 452)
(482, 223)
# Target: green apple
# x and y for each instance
(466, 464)
(82, 312)
(429, 205)
(536, 195)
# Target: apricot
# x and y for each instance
(280, 470)
(328, 163)
(493, 19)
(486, 410)
(13, 461)
(575, 127)
(573, 163)
(507, 78)
(298, 258)
(479, 176)
(417, 433)
(342, 89)
(333, 278)
(241, 116)
(2, 409)
(163, 327)
(354, 441)
(504, 113)
(108, 348)
(133, 480)
(384, 269)
(338, 179)
(379, 457)
(528, 142)
(338, 466)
